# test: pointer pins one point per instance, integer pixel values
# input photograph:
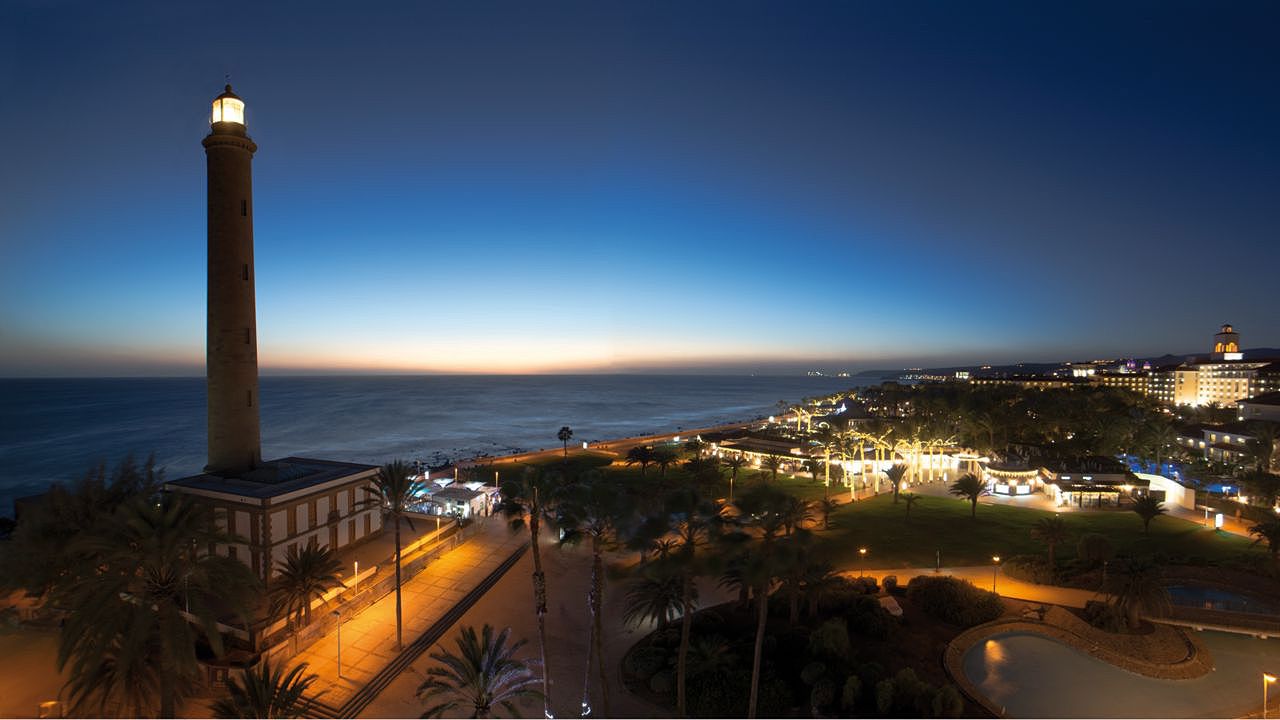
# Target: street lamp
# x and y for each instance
(338, 617)
(1267, 679)
(357, 577)
(862, 554)
(995, 571)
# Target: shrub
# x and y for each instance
(831, 640)
(1094, 548)
(866, 584)
(812, 673)
(868, 619)
(948, 703)
(954, 600)
(1029, 568)
(775, 698)
(718, 695)
(850, 693)
(1104, 616)
(822, 696)
(869, 673)
(663, 682)
(884, 697)
(643, 662)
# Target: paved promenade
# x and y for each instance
(432, 596)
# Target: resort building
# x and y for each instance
(1260, 407)
(287, 504)
(1135, 382)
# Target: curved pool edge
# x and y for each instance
(1198, 663)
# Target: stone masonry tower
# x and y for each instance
(232, 363)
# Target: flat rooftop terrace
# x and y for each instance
(275, 477)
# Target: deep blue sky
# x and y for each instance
(617, 186)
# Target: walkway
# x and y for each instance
(431, 601)
(982, 575)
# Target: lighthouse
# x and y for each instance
(232, 335)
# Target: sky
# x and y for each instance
(644, 186)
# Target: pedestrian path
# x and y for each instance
(432, 601)
(986, 577)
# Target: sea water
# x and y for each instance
(57, 429)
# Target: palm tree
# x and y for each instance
(761, 511)
(1268, 531)
(895, 473)
(141, 595)
(593, 509)
(664, 458)
(1148, 508)
(910, 499)
(826, 506)
(641, 455)
(1137, 589)
(969, 487)
(691, 517)
(485, 675)
(656, 596)
(525, 502)
(564, 436)
(795, 513)
(266, 691)
(393, 491)
(771, 463)
(1051, 531)
(303, 577)
(734, 463)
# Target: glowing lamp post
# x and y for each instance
(357, 577)
(1267, 679)
(995, 571)
(862, 556)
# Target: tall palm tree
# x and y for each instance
(734, 463)
(1262, 445)
(692, 518)
(761, 512)
(266, 691)
(525, 502)
(1148, 508)
(969, 487)
(895, 473)
(641, 455)
(303, 576)
(771, 463)
(564, 436)
(1137, 588)
(593, 509)
(141, 596)
(394, 491)
(482, 677)
(1269, 532)
(1052, 531)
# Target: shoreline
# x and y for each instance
(610, 446)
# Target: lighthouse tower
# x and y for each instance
(232, 344)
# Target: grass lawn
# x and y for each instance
(943, 524)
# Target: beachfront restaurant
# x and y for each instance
(1011, 480)
(1093, 490)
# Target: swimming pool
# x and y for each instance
(1211, 598)
(1032, 676)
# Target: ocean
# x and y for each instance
(57, 429)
